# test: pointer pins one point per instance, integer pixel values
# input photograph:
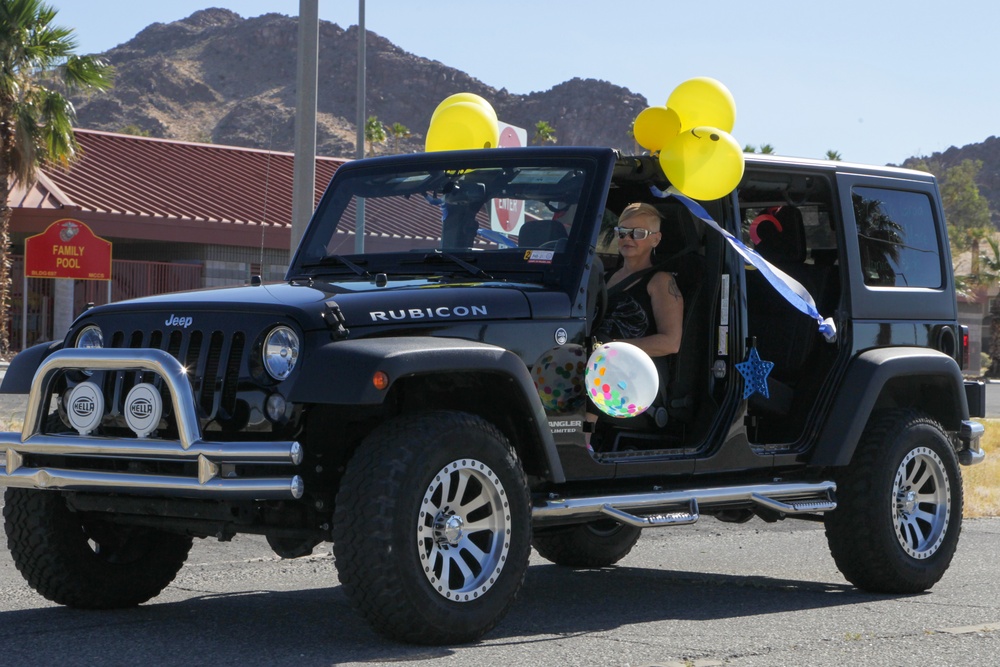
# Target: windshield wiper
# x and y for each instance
(338, 259)
(437, 257)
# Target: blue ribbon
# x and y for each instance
(790, 289)
(440, 203)
(496, 237)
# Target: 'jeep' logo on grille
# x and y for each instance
(83, 406)
(141, 408)
(174, 321)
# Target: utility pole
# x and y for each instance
(304, 168)
(359, 225)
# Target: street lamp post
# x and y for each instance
(359, 224)
(304, 167)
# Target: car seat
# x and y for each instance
(542, 234)
(783, 335)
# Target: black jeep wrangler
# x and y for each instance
(414, 391)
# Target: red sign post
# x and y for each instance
(67, 249)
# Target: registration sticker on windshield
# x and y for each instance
(539, 256)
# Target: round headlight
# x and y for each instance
(90, 337)
(281, 351)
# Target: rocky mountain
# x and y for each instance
(988, 152)
(215, 76)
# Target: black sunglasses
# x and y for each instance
(637, 234)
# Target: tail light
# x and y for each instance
(964, 356)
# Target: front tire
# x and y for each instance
(432, 528)
(595, 544)
(899, 513)
(79, 561)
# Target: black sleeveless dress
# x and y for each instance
(630, 310)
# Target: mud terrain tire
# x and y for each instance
(899, 513)
(432, 528)
(78, 561)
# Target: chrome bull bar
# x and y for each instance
(212, 458)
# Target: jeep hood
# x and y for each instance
(361, 303)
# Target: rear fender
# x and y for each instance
(914, 377)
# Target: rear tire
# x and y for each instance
(594, 544)
(432, 528)
(78, 561)
(899, 511)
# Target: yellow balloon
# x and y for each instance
(462, 126)
(465, 97)
(655, 126)
(703, 101)
(704, 163)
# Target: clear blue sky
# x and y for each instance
(876, 80)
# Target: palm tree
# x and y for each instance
(833, 155)
(374, 132)
(36, 119)
(879, 239)
(399, 131)
(544, 133)
(767, 149)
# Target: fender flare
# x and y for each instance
(353, 363)
(21, 372)
(862, 386)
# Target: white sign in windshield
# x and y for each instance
(507, 215)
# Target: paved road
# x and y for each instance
(713, 594)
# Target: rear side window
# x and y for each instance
(897, 238)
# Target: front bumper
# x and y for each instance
(218, 469)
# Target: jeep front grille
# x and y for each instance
(212, 360)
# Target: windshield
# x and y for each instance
(478, 217)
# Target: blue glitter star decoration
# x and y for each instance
(755, 372)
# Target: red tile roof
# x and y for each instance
(130, 187)
(120, 173)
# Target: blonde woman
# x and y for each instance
(645, 306)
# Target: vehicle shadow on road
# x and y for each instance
(600, 600)
(317, 626)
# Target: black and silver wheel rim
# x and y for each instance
(463, 530)
(921, 503)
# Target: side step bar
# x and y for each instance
(673, 508)
(679, 518)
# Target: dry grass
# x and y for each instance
(982, 482)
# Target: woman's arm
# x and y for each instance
(668, 312)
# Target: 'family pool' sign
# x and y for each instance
(67, 249)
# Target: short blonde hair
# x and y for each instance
(637, 209)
